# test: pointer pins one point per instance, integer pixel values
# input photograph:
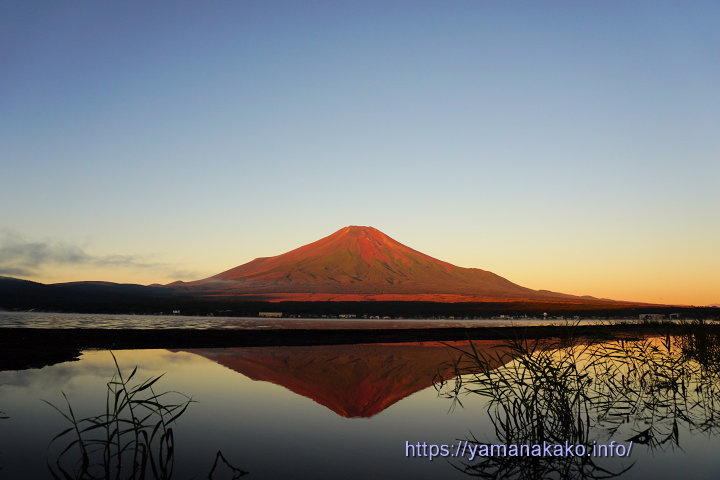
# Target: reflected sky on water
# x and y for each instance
(78, 320)
(298, 412)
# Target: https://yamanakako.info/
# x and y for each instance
(464, 449)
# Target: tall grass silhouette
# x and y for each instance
(584, 391)
(3, 416)
(132, 439)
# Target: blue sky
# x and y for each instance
(571, 146)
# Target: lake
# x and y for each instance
(351, 411)
(156, 322)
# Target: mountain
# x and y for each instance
(92, 296)
(353, 380)
(362, 263)
(356, 270)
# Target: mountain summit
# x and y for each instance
(362, 263)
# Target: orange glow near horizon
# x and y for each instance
(634, 279)
(567, 147)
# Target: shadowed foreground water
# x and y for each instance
(331, 411)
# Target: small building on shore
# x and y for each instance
(270, 314)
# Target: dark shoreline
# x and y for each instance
(219, 338)
(35, 347)
(102, 298)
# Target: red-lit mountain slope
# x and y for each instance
(362, 263)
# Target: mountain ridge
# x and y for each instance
(358, 263)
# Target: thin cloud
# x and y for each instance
(14, 271)
(19, 257)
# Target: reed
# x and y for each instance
(583, 390)
(133, 438)
(3, 416)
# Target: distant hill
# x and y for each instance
(78, 296)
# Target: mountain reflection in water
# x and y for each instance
(351, 380)
(662, 392)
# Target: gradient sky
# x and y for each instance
(571, 146)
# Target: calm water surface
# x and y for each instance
(75, 320)
(348, 411)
